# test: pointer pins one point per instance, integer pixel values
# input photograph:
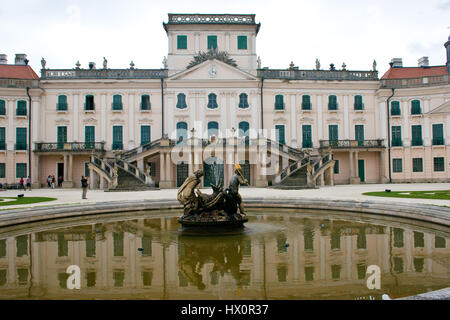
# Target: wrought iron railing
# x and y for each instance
(351, 144)
(69, 146)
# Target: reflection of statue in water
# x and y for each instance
(218, 208)
(226, 256)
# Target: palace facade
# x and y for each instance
(215, 101)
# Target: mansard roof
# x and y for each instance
(414, 72)
(25, 72)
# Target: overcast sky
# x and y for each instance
(335, 31)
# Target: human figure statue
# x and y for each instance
(164, 62)
(43, 63)
(317, 64)
(374, 65)
(186, 193)
(259, 62)
(105, 63)
(233, 189)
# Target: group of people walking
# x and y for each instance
(51, 181)
(22, 183)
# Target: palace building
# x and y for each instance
(213, 105)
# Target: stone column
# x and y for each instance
(319, 118)
(354, 179)
(66, 165)
(103, 117)
(293, 122)
(351, 164)
(35, 182)
(11, 133)
(406, 128)
(197, 42)
(346, 119)
(91, 179)
(162, 170)
(68, 171)
(131, 122)
(168, 169)
(75, 118)
(227, 41)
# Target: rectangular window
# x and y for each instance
(359, 134)
(21, 246)
(117, 138)
(398, 238)
(306, 102)
(358, 105)
(282, 273)
(62, 103)
(91, 279)
(336, 167)
(21, 170)
(90, 248)
(280, 133)
(415, 107)
(117, 102)
(438, 134)
(333, 134)
(2, 107)
(212, 42)
(147, 277)
(397, 165)
(361, 239)
(145, 102)
(89, 103)
(21, 138)
(336, 272)
(181, 42)
(395, 108)
(416, 135)
(438, 164)
(118, 244)
(21, 108)
(86, 169)
(61, 136)
(89, 137)
(362, 269)
(396, 136)
(2, 248)
(335, 240)
(279, 102)
(281, 243)
(417, 164)
(118, 277)
(332, 103)
(63, 246)
(306, 136)
(2, 138)
(309, 273)
(2, 170)
(308, 238)
(145, 135)
(419, 241)
(146, 243)
(398, 265)
(242, 42)
(439, 242)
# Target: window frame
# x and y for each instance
(182, 39)
(240, 42)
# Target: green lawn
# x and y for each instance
(23, 200)
(437, 194)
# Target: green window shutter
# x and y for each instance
(181, 42)
(336, 167)
(145, 102)
(333, 134)
(212, 101)
(89, 134)
(280, 133)
(89, 102)
(86, 169)
(213, 129)
(416, 135)
(21, 108)
(415, 107)
(182, 132)
(397, 165)
(212, 42)
(2, 138)
(242, 42)
(279, 102)
(21, 170)
(62, 103)
(117, 138)
(359, 133)
(117, 102)
(332, 103)
(417, 164)
(2, 107)
(438, 164)
(181, 101)
(61, 136)
(21, 138)
(395, 108)
(244, 128)
(396, 136)
(145, 135)
(358, 103)
(438, 134)
(306, 102)
(2, 170)
(306, 136)
(243, 101)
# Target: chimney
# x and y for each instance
(397, 63)
(3, 59)
(447, 46)
(20, 59)
(423, 62)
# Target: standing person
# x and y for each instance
(60, 181)
(84, 185)
(29, 183)
(53, 182)
(49, 181)
(21, 184)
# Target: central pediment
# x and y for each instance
(213, 70)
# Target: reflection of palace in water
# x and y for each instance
(297, 258)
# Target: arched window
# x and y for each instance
(182, 132)
(89, 102)
(395, 108)
(358, 105)
(306, 102)
(243, 101)
(332, 103)
(21, 108)
(62, 103)
(415, 107)
(2, 107)
(212, 101)
(213, 129)
(145, 102)
(117, 102)
(279, 102)
(181, 101)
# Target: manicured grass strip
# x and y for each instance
(23, 200)
(430, 194)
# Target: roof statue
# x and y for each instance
(374, 65)
(317, 64)
(105, 63)
(212, 54)
(43, 63)
(164, 62)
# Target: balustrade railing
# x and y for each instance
(69, 146)
(318, 74)
(351, 144)
(49, 74)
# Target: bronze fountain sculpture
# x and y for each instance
(223, 207)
